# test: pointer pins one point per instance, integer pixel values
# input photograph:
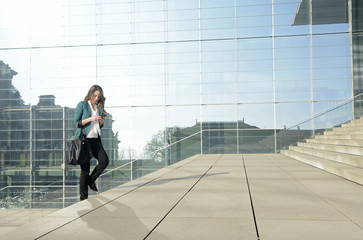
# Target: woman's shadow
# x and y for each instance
(114, 220)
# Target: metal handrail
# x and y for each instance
(304, 120)
(160, 149)
(21, 186)
(169, 145)
(323, 111)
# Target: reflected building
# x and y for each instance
(322, 12)
(33, 138)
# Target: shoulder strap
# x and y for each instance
(79, 124)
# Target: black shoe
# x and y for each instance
(92, 186)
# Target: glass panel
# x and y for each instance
(253, 20)
(252, 90)
(113, 70)
(47, 68)
(256, 128)
(256, 141)
(113, 22)
(292, 64)
(15, 144)
(79, 68)
(288, 114)
(219, 129)
(213, 93)
(148, 135)
(183, 73)
(214, 27)
(255, 76)
(47, 136)
(15, 74)
(180, 93)
(186, 4)
(290, 126)
(330, 18)
(80, 24)
(49, 32)
(147, 27)
(331, 67)
(219, 113)
(216, 3)
(183, 20)
(15, 23)
(218, 65)
(183, 132)
(252, 116)
(184, 117)
(290, 18)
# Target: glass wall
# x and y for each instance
(180, 78)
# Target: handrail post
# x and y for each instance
(131, 168)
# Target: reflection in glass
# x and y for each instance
(288, 114)
(254, 20)
(180, 77)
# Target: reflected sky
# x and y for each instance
(236, 58)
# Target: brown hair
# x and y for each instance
(101, 102)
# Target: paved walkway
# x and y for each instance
(210, 197)
(11, 219)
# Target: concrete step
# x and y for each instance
(340, 136)
(344, 132)
(360, 123)
(348, 159)
(348, 128)
(343, 142)
(338, 151)
(355, 122)
(334, 148)
(349, 172)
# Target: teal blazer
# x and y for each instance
(83, 111)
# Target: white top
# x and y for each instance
(95, 130)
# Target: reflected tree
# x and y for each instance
(156, 148)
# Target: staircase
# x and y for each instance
(338, 151)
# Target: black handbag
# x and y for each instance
(79, 150)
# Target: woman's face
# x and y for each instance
(95, 97)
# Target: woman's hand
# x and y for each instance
(96, 118)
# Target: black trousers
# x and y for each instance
(102, 158)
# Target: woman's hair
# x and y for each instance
(101, 101)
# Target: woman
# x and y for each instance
(89, 115)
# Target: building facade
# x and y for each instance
(180, 78)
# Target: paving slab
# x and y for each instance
(11, 219)
(205, 229)
(272, 229)
(297, 201)
(221, 196)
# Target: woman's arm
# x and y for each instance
(91, 119)
(77, 119)
(78, 114)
